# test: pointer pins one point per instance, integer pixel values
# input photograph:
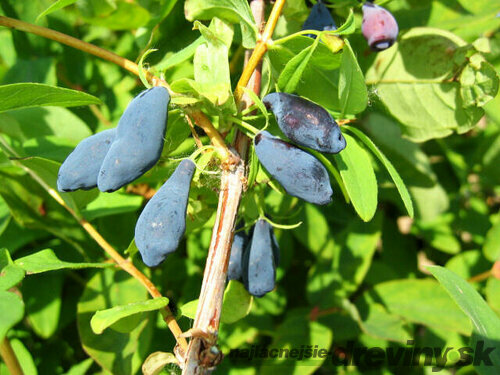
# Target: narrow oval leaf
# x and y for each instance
(26, 95)
(359, 178)
(353, 94)
(292, 73)
(104, 318)
(12, 309)
(59, 4)
(237, 303)
(47, 260)
(486, 324)
(398, 181)
(10, 276)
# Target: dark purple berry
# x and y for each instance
(319, 19)
(305, 122)
(81, 167)
(300, 173)
(240, 241)
(139, 140)
(259, 260)
(162, 223)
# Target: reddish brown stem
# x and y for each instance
(206, 324)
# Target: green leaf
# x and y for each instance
(46, 260)
(491, 247)
(468, 264)
(486, 324)
(102, 319)
(117, 352)
(80, 368)
(411, 162)
(353, 94)
(154, 364)
(375, 320)
(400, 185)
(28, 123)
(10, 276)
(292, 72)
(421, 301)
(492, 291)
(237, 303)
(297, 330)
(12, 308)
(353, 260)
(233, 11)
(211, 65)
(439, 233)
(47, 171)
(478, 82)
(319, 81)
(171, 60)
(416, 82)
(356, 170)
(125, 16)
(24, 357)
(348, 27)
(25, 95)
(112, 204)
(59, 4)
(43, 297)
(189, 309)
(315, 233)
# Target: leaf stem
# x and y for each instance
(9, 358)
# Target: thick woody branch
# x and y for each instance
(201, 356)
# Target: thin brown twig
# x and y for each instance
(120, 261)
(9, 358)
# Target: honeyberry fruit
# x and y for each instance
(81, 167)
(138, 142)
(300, 173)
(162, 223)
(240, 241)
(259, 261)
(305, 123)
(379, 27)
(319, 19)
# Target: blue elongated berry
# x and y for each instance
(300, 173)
(379, 27)
(240, 241)
(305, 122)
(139, 140)
(259, 260)
(81, 167)
(162, 223)
(319, 19)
